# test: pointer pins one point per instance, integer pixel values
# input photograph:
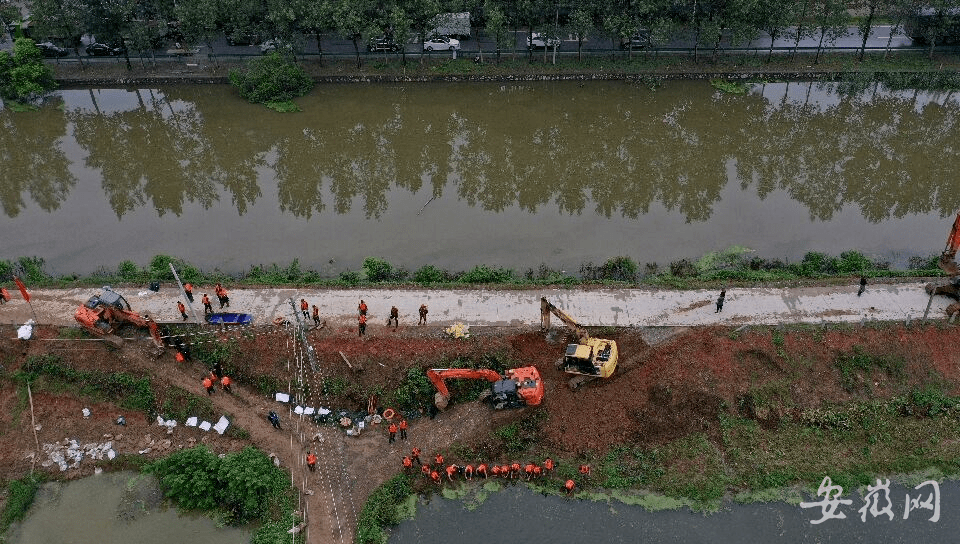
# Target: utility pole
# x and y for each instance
(184, 293)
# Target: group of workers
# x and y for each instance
(529, 471)
(394, 427)
(305, 310)
(218, 289)
(217, 376)
(394, 316)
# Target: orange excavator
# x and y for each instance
(106, 312)
(948, 263)
(519, 387)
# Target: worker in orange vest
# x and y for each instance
(183, 310)
(304, 308)
(179, 357)
(415, 455)
(482, 469)
(568, 487)
(495, 470)
(468, 472)
(225, 383)
(188, 289)
(528, 471)
(393, 432)
(439, 460)
(451, 471)
(537, 471)
(515, 470)
(585, 470)
(435, 476)
(4, 295)
(548, 464)
(403, 429)
(407, 463)
(505, 471)
(311, 461)
(425, 469)
(207, 307)
(316, 315)
(208, 385)
(362, 308)
(362, 324)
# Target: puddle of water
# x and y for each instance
(117, 508)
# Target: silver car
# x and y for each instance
(441, 43)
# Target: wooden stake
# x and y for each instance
(345, 359)
(33, 420)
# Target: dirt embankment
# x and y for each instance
(660, 392)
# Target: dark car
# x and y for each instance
(104, 50)
(639, 41)
(48, 49)
(383, 44)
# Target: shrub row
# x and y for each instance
(734, 264)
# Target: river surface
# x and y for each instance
(518, 514)
(461, 174)
(117, 508)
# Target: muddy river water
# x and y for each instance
(518, 514)
(455, 175)
(118, 508)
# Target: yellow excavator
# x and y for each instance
(588, 359)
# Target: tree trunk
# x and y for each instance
(823, 32)
(356, 49)
(319, 47)
(868, 25)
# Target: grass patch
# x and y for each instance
(384, 507)
(20, 495)
(857, 368)
(127, 391)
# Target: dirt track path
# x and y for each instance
(330, 518)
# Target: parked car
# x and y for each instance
(639, 41)
(48, 49)
(104, 50)
(539, 41)
(273, 45)
(441, 43)
(383, 44)
(242, 39)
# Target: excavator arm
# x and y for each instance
(546, 308)
(438, 376)
(520, 387)
(948, 262)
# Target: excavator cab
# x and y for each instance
(579, 358)
(108, 298)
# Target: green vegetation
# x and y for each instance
(20, 495)
(730, 87)
(730, 266)
(23, 76)
(273, 80)
(245, 486)
(50, 373)
(856, 369)
(384, 507)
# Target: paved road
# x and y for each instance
(483, 307)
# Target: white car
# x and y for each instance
(273, 45)
(539, 41)
(441, 43)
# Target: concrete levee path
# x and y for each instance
(487, 307)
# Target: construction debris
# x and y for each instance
(69, 453)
